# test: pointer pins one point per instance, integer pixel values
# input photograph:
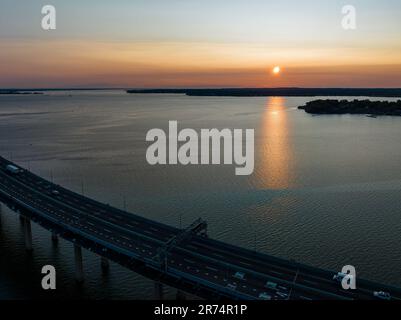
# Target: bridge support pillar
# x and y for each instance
(105, 265)
(159, 291)
(79, 269)
(54, 238)
(181, 296)
(27, 234)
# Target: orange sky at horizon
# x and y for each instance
(78, 63)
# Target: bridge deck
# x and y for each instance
(198, 265)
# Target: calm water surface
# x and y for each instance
(326, 190)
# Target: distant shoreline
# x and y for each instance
(19, 92)
(235, 92)
(278, 92)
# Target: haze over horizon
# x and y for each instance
(192, 44)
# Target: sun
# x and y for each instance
(276, 70)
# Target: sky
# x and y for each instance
(203, 43)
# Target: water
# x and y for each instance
(325, 190)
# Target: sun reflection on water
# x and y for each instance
(275, 155)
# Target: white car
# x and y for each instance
(264, 296)
(382, 295)
(271, 285)
(282, 295)
(232, 286)
(340, 276)
(240, 275)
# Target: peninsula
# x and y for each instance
(367, 107)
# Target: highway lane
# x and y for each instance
(90, 225)
(91, 207)
(269, 268)
(93, 227)
(256, 277)
(42, 189)
(251, 264)
(100, 213)
(105, 232)
(200, 257)
(220, 273)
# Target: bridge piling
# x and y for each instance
(79, 269)
(159, 291)
(28, 234)
(181, 296)
(105, 265)
(54, 238)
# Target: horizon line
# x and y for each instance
(193, 88)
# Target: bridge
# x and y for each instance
(184, 259)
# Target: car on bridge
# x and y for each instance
(271, 285)
(339, 277)
(55, 192)
(13, 169)
(382, 295)
(265, 296)
(282, 295)
(232, 287)
(239, 276)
